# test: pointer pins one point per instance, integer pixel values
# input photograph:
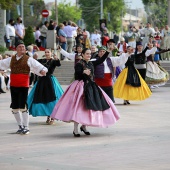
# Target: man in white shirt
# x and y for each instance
(68, 29)
(95, 38)
(147, 32)
(10, 34)
(21, 65)
(19, 30)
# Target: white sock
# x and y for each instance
(25, 116)
(76, 128)
(18, 118)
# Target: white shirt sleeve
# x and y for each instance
(36, 67)
(5, 63)
(68, 55)
(117, 61)
(149, 52)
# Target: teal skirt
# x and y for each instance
(44, 108)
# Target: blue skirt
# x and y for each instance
(46, 108)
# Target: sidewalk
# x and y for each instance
(140, 140)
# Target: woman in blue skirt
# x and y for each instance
(47, 90)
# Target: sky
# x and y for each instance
(133, 4)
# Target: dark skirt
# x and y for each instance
(133, 77)
(94, 99)
(44, 108)
(44, 91)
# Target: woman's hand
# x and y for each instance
(42, 72)
(55, 57)
(87, 71)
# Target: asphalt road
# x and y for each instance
(140, 140)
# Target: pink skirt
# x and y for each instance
(71, 108)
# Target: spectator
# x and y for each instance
(37, 37)
(10, 34)
(94, 51)
(51, 25)
(69, 32)
(43, 36)
(105, 37)
(96, 38)
(115, 38)
(60, 32)
(19, 30)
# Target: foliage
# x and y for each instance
(29, 36)
(8, 4)
(67, 12)
(91, 13)
(156, 11)
(153, 1)
(2, 49)
(38, 6)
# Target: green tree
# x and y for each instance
(91, 13)
(8, 4)
(156, 11)
(38, 6)
(153, 1)
(29, 36)
(67, 12)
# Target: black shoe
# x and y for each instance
(127, 102)
(19, 131)
(76, 135)
(1, 91)
(87, 133)
(25, 132)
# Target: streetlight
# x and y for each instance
(126, 2)
(101, 9)
(56, 11)
(22, 10)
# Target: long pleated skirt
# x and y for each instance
(44, 108)
(128, 92)
(71, 108)
(155, 74)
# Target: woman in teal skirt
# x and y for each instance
(47, 90)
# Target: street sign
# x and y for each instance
(45, 13)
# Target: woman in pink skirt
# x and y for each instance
(84, 102)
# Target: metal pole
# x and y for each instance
(101, 9)
(22, 10)
(56, 11)
(122, 24)
(169, 12)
